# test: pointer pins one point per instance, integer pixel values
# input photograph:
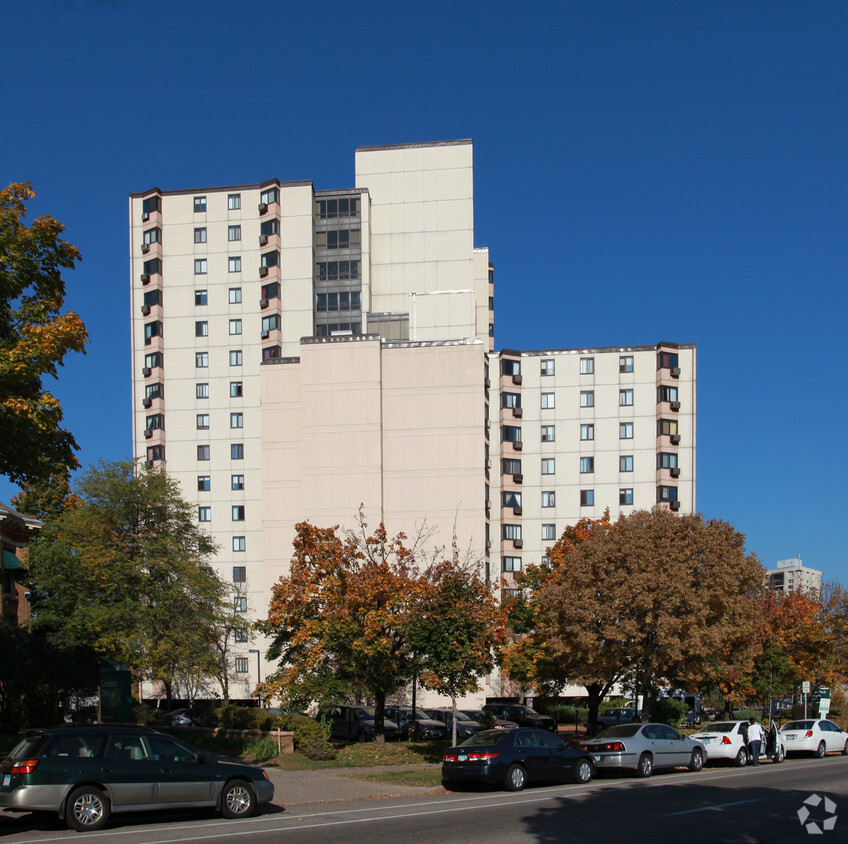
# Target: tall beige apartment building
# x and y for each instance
(301, 353)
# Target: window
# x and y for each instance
(667, 360)
(337, 270)
(510, 434)
(236, 420)
(625, 496)
(625, 398)
(625, 431)
(587, 398)
(204, 484)
(151, 330)
(233, 233)
(155, 422)
(235, 357)
(548, 498)
(269, 196)
(625, 463)
(239, 574)
(510, 367)
(153, 266)
(235, 295)
(237, 451)
(587, 465)
(154, 391)
(546, 367)
(512, 532)
(240, 635)
(204, 514)
(510, 467)
(235, 326)
(587, 366)
(200, 266)
(202, 421)
(666, 427)
(241, 604)
(548, 401)
(666, 393)
(549, 532)
(201, 360)
(510, 400)
(344, 206)
(156, 452)
(153, 236)
(666, 494)
(625, 363)
(587, 498)
(341, 301)
(151, 205)
(510, 499)
(241, 661)
(239, 543)
(270, 323)
(234, 202)
(234, 266)
(203, 452)
(237, 481)
(665, 460)
(548, 466)
(272, 291)
(238, 512)
(548, 433)
(271, 259)
(201, 391)
(153, 297)
(153, 360)
(201, 328)
(200, 235)
(587, 432)
(200, 205)
(236, 390)
(338, 239)
(201, 297)
(511, 564)
(270, 227)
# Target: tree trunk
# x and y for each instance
(379, 717)
(594, 697)
(453, 720)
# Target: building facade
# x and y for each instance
(16, 530)
(793, 576)
(299, 354)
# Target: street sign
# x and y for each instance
(820, 699)
(805, 687)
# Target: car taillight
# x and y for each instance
(25, 766)
(450, 757)
(477, 757)
(726, 740)
(808, 734)
(609, 747)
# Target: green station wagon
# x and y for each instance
(85, 773)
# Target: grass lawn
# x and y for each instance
(426, 778)
(368, 755)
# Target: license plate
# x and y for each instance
(706, 740)
(462, 757)
(596, 757)
(790, 736)
(7, 779)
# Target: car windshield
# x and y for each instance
(365, 712)
(25, 747)
(621, 731)
(799, 725)
(722, 727)
(487, 737)
(527, 710)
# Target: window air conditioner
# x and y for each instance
(265, 335)
(675, 439)
(518, 479)
(263, 271)
(146, 371)
(675, 405)
(675, 505)
(517, 412)
(145, 247)
(147, 402)
(517, 445)
(263, 207)
(675, 473)
(487, 383)
(516, 379)
(517, 511)
(263, 303)
(263, 239)
(145, 277)
(675, 372)
(518, 543)
(488, 464)
(148, 433)
(488, 504)
(145, 310)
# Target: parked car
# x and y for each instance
(428, 728)
(356, 723)
(816, 736)
(514, 758)
(524, 716)
(465, 726)
(180, 718)
(644, 748)
(488, 720)
(728, 741)
(612, 717)
(85, 773)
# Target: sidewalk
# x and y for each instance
(296, 788)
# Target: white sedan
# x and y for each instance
(729, 740)
(814, 736)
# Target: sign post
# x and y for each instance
(805, 689)
(820, 700)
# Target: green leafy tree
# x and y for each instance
(339, 621)
(455, 631)
(34, 339)
(127, 573)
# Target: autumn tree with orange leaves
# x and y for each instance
(339, 621)
(34, 339)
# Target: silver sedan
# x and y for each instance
(644, 748)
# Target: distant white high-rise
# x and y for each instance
(793, 576)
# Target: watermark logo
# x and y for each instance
(822, 824)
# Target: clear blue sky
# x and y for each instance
(643, 172)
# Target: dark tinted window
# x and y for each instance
(27, 747)
(75, 747)
(490, 737)
(620, 731)
(163, 747)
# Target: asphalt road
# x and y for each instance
(714, 805)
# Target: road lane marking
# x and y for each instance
(710, 808)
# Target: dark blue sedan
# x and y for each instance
(515, 758)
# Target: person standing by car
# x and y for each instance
(755, 740)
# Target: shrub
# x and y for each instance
(246, 718)
(669, 711)
(311, 738)
(567, 714)
(261, 749)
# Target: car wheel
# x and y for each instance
(87, 809)
(820, 750)
(238, 800)
(584, 771)
(845, 749)
(741, 759)
(646, 765)
(516, 778)
(697, 760)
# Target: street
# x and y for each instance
(715, 805)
